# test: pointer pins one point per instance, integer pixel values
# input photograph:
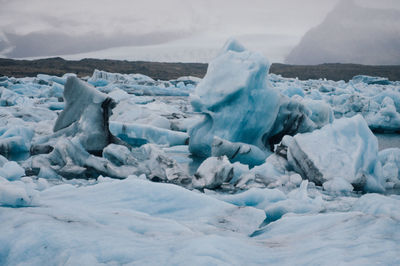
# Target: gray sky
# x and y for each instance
(169, 30)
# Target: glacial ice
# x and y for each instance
(56, 193)
(238, 152)
(138, 134)
(15, 139)
(139, 84)
(390, 161)
(345, 149)
(240, 106)
(370, 80)
(11, 170)
(213, 172)
(17, 194)
(362, 95)
(230, 96)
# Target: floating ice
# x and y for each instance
(139, 84)
(15, 139)
(386, 118)
(239, 106)
(370, 80)
(346, 149)
(85, 115)
(16, 194)
(138, 134)
(338, 185)
(390, 160)
(230, 96)
(264, 213)
(213, 172)
(11, 170)
(238, 152)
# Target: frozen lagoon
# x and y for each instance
(267, 214)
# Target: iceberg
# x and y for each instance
(345, 149)
(240, 106)
(15, 139)
(139, 84)
(238, 152)
(138, 134)
(370, 80)
(213, 172)
(85, 115)
(390, 161)
(11, 171)
(234, 97)
(386, 118)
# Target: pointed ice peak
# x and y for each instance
(232, 45)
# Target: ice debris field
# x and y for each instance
(241, 167)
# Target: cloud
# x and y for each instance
(352, 34)
(56, 27)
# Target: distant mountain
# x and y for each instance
(351, 34)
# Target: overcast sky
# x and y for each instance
(163, 26)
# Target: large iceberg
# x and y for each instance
(240, 106)
(235, 99)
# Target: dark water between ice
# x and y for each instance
(388, 141)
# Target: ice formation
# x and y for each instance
(57, 189)
(390, 161)
(377, 101)
(139, 84)
(232, 106)
(345, 149)
(138, 134)
(82, 145)
(86, 115)
(240, 106)
(15, 139)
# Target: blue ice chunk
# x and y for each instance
(255, 197)
(370, 80)
(237, 103)
(239, 152)
(15, 139)
(56, 106)
(291, 91)
(321, 112)
(139, 134)
(56, 90)
(12, 171)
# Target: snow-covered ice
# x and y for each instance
(345, 149)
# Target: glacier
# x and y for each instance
(241, 167)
